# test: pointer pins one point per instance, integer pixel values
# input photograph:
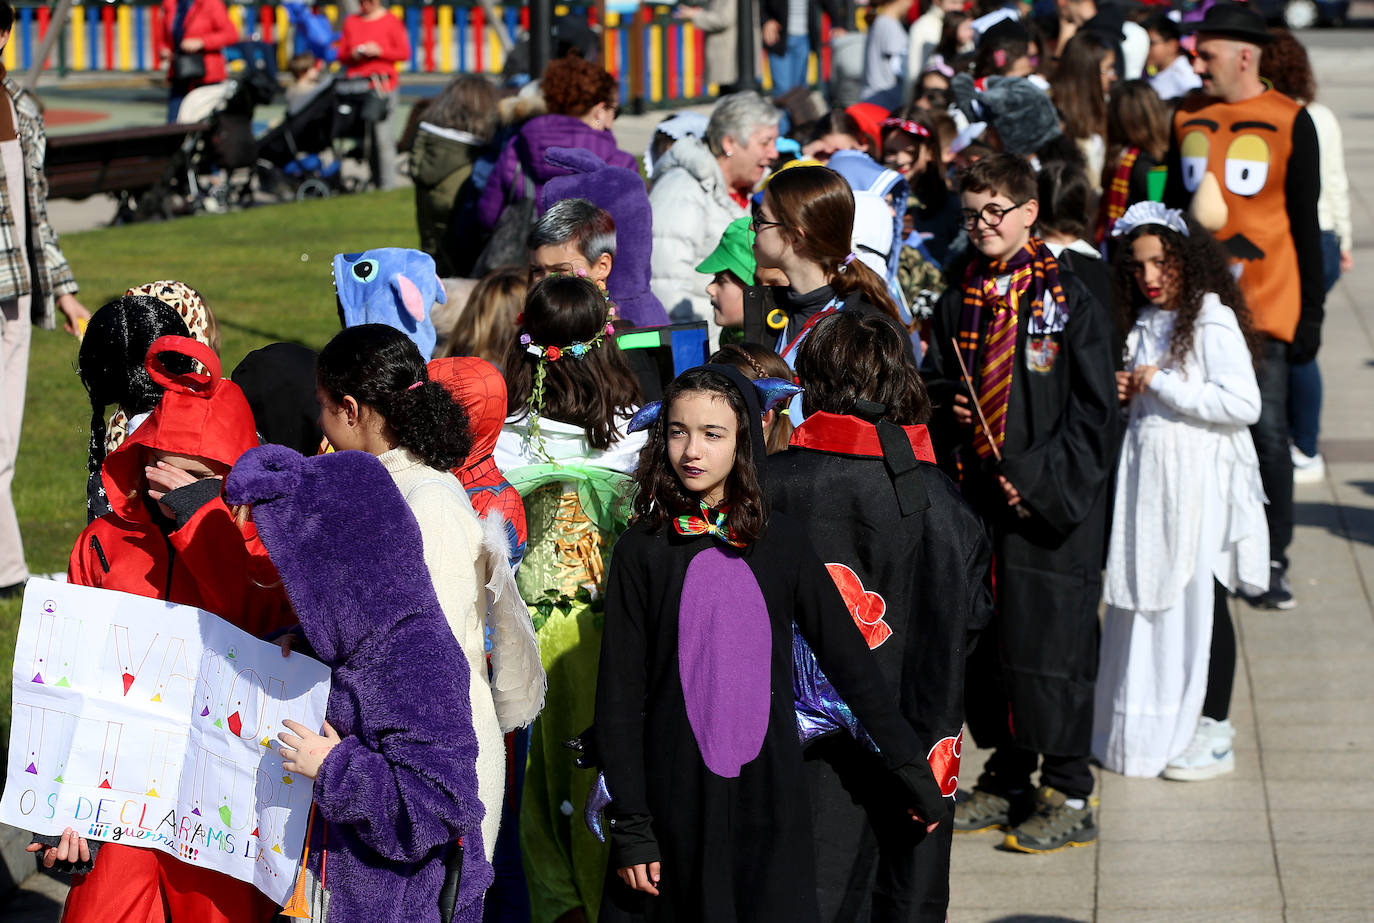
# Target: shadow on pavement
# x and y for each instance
(1353, 523)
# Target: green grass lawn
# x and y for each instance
(264, 272)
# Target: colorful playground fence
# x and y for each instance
(658, 58)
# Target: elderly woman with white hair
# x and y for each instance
(699, 188)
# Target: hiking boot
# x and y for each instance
(1053, 826)
(1208, 755)
(983, 810)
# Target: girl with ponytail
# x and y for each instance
(803, 227)
(111, 366)
(376, 396)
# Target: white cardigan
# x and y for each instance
(1333, 208)
(474, 582)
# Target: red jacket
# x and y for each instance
(388, 32)
(208, 561)
(208, 21)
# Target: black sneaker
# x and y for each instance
(981, 809)
(1280, 593)
(1054, 825)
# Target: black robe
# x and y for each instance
(1032, 686)
(930, 569)
(732, 849)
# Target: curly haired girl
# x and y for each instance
(376, 396)
(1189, 523)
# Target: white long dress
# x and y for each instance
(1189, 508)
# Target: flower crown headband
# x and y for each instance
(1145, 213)
(544, 354)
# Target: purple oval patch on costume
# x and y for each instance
(724, 656)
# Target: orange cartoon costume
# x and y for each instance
(1247, 171)
(1242, 169)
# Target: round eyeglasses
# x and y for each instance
(991, 214)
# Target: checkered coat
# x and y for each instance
(39, 269)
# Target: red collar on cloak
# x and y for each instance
(842, 434)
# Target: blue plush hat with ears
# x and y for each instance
(392, 286)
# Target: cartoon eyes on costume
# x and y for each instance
(1247, 165)
(364, 271)
(1247, 162)
(1193, 155)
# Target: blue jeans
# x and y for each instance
(1305, 381)
(789, 68)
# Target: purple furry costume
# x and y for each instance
(402, 786)
(621, 193)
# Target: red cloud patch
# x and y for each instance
(865, 606)
(944, 760)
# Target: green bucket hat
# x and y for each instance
(735, 252)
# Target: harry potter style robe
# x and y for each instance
(1030, 683)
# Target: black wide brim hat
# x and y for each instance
(1233, 20)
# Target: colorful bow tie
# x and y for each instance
(710, 522)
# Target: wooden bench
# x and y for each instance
(123, 163)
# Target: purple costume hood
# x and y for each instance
(620, 192)
(401, 787)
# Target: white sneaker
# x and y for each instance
(1307, 469)
(1208, 755)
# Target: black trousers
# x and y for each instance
(1221, 669)
(1010, 769)
(874, 864)
(1271, 445)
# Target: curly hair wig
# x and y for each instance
(1200, 264)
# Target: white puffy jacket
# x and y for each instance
(692, 206)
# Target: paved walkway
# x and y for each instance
(1290, 835)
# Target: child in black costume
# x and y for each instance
(1035, 464)
(911, 559)
(694, 719)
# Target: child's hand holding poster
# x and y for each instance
(146, 723)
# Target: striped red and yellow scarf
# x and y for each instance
(1118, 196)
(980, 291)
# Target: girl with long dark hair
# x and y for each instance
(567, 449)
(1087, 69)
(694, 720)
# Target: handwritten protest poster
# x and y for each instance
(141, 722)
